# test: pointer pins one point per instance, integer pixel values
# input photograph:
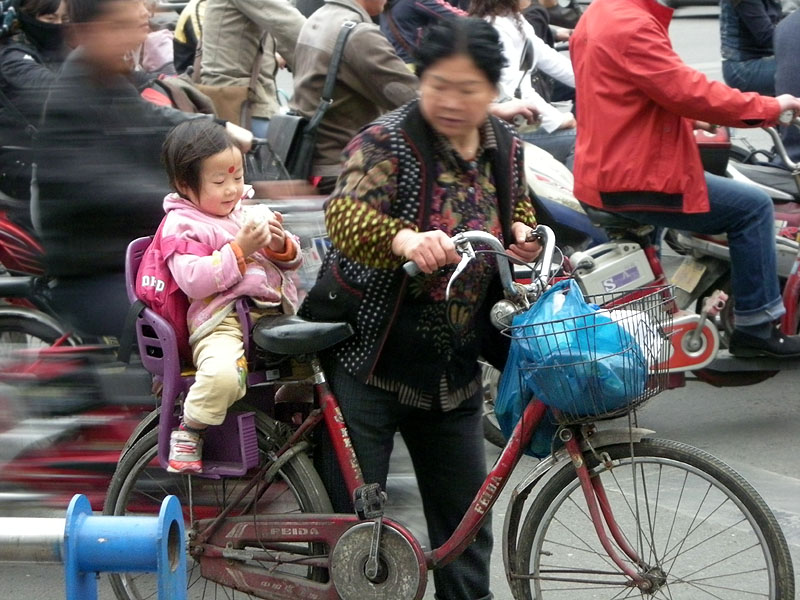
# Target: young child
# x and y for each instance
(229, 254)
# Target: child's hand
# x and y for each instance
(252, 237)
(278, 241)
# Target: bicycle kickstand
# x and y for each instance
(368, 501)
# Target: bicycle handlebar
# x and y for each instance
(463, 243)
(779, 147)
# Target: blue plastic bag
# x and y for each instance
(581, 361)
(512, 398)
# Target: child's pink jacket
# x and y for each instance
(214, 282)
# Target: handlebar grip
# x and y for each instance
(411, 268)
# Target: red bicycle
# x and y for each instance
(611, 513)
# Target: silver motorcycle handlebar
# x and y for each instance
(780, 148)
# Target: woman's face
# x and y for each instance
(455, 96)
(55, 18)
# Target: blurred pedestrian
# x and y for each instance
(232, 32)
(556, 134)
(403, 22)
(31, 52)
(100, 179)
(746, 30)
(787, 73)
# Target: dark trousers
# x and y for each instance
(447, 451)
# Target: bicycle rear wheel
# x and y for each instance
(701, 529)
(140, 484)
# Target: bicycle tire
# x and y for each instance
(681, 489)
(134, 482)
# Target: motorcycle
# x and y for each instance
(628, 258)
(769, 170)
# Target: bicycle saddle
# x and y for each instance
(290, 334)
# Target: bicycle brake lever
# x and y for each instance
(467, 255)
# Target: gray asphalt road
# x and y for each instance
(754, 429)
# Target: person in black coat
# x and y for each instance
(31, 51)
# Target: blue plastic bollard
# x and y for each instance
(94, 544)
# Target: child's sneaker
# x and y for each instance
(185, 452)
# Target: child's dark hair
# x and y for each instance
(187, 146)
(463, 36)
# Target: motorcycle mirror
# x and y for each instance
(525, 65)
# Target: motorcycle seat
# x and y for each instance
(290, 334)
(609, 220)
(772, 176)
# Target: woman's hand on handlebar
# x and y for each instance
(429, 250)
(524, 248)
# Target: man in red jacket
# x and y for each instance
(635, 152)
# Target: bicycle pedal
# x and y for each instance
(368, 501)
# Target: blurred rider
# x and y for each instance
(636, 153)
(100, 181)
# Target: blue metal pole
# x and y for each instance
(94, 544)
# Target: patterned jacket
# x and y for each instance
(370, 296)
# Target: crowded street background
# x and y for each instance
(754, 429)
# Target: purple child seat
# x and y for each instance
(158, 351)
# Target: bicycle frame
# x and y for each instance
(212, 540)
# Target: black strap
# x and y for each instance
(330, 78)
(129, 331)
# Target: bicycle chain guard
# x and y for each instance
(402, 574)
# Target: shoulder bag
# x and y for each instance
(231, 102)
(291, 138)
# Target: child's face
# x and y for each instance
(221, 183)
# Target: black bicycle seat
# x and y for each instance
(290, 334)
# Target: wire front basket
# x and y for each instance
(599, 365)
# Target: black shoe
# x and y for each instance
(777, 345)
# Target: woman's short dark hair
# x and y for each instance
(462, 36)
(35, 8)
(187, 145)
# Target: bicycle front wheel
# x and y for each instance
(140, 484)
(700, 529)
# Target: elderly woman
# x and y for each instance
(418, 175)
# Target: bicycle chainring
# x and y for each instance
(402, 574)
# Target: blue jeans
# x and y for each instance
(756, 75)
(746, 215)
(560, 143)
(447, 450)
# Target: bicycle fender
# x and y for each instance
(558, 460)
(33, 314)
